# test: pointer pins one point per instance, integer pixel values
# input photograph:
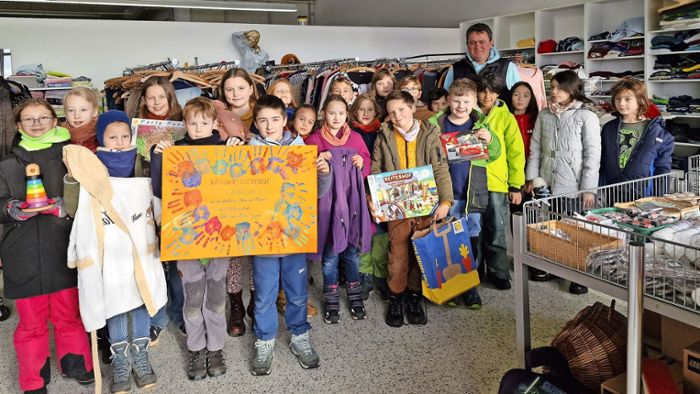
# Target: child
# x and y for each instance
(80, 106)
(565, 146)
(343, 88)
(407, 143)
(506, 176)
(270, 117)
(33, 253)
(234, 112)
(157, 100)
(303, 121)
(468, 177)
(633, 146)
(202, 279)
(120, 296)
(412, 85)
(364, 115)
(383, 82)
(282, 88)
(437, 100)
(234, 107)
(335, 133)
(523, 105)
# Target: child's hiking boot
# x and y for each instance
(121, 368)
(73, 367)
(331, 313)
(197, 367)
(415, 314)
(143, 372)
(357, 307)
(264, 352)
(394, 314)
(367, 285)
(471, 299)
(215, 363)
(236, 325)
(302, 348)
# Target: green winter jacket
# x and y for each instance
(507, 172)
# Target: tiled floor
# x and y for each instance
(459, 351)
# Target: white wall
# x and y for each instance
(101, 49)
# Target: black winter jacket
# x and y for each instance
(33, 251)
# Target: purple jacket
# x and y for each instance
(354, 142)
(343, 217)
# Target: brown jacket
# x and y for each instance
(385, 157)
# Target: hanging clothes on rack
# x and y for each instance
(535, 78)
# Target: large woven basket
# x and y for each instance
(595, 344)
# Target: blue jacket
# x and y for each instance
(650, 156)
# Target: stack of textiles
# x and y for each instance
(684, 104)
(609, 49)
(682, 41)
(613, 76)
(684, 14)
(668, 67)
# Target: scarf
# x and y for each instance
(287, 139)
(558, 109)
(410, 135)
(119, 163)
(343, 135)
(373, 127)
(213, 139)
(57, 134)
(84, 135)
(149, 115)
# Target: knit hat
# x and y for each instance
(108, 118)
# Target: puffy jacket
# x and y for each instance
(428, 152)
(507, 171)
(34, 251)
(565, 149)
(650, 156)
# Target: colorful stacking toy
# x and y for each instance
(36, 194)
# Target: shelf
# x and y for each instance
(671, 53)
(674, 80)
(597, 59)
(516, 49)
(688, 144)
(561, 53)
(673, 30)
(622, 39)
(667, 115)
(600, 96)
(42, 89)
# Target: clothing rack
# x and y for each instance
(311, 64)
(434, 55)
(211, 66)
(166, 65)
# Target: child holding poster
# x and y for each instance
(270, 118)
(203, 280)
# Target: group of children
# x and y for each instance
(385, 130)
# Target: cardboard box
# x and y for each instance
(691, 369)
(676, 336)
(618, 384)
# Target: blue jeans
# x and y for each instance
(458, 209)
(176, 299)
(119, 325)
(267, 272)
(351, 258)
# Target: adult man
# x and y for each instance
(482, 55)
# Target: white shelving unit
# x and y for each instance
(557, 24)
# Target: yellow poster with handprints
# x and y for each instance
(238, 201)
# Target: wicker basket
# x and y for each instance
(595, 344)
(572, 252)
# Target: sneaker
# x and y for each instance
(394, 315)
(154, 334)
(262, 363)
(143, 372)
(575, 288)
(331, 317)
(500, 283)
(302, 348)
(414, 309)
(121, 368)
(215, 363)
(197, 367)
(471, 299)
(73, 367)
(539, 275)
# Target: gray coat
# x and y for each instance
(565, 149)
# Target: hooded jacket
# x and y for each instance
(650, 156)
(468, 67)
(428, 152)
(506, 172)
(565, 149)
